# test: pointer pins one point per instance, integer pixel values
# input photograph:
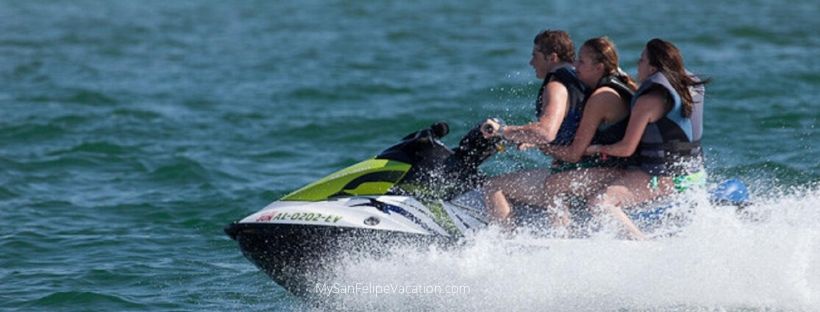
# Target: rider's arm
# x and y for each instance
(648, 108)
(555, 106)
(601, 103)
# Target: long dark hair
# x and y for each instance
(666, 57)
(605, 53)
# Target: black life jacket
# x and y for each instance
(577, 96)
(614, 133)
(671, 145)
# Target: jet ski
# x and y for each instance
(417, 192)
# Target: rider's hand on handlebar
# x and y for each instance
(492, 128)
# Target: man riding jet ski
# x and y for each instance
(411, 193)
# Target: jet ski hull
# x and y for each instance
(298, 256)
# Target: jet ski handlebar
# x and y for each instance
(493, 127)
(439, 129)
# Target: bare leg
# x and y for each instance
(626, 191)
(558, 188)
(523, 186)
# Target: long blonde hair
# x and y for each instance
(603, 51)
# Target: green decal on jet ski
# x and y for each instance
(441, 217)
(370, 177)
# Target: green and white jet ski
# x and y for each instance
(417, 192)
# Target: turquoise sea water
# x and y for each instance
(132, 132)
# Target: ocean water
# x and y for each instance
(131, 133)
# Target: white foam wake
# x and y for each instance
(721, 260)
